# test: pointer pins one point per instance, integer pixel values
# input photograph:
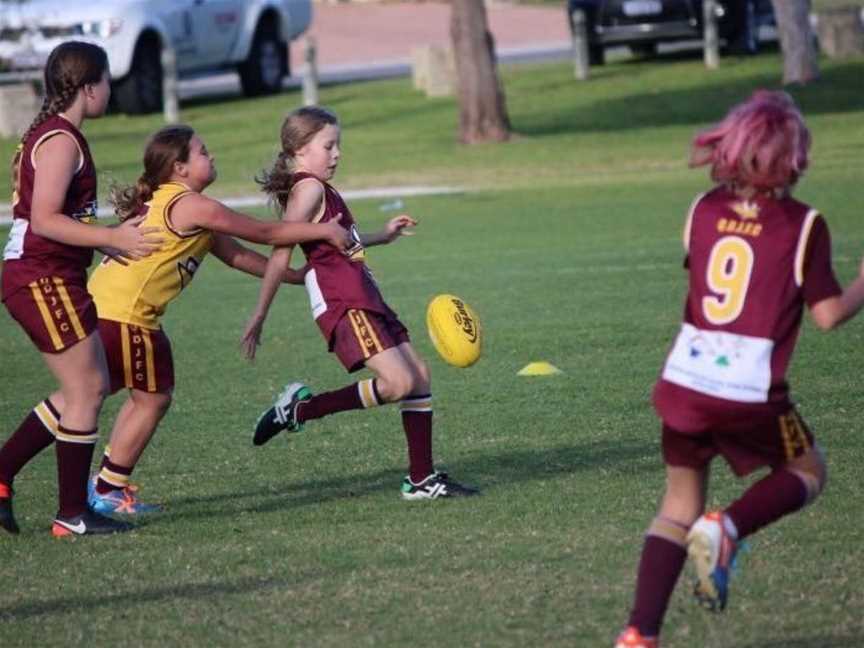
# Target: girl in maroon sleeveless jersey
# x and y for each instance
(44, 281)
(755, 258)
(354, 319)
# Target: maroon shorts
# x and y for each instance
(761, 442)
(361, 334)
(138, 358)
(54, 312)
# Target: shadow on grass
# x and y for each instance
(492, 470)
(190, 591)
(486, 471)
(837, 91)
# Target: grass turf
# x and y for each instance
(570, 253)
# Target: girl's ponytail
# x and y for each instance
(277, 182)
(128, 201)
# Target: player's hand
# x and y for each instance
(251, 339)
(135, 242)
(395, 227)
(337, 236)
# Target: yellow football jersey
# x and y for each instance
(139, 292)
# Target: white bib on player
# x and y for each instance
(15, 245)
(316, 297)
(720, 364)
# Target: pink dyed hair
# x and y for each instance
(762, 143)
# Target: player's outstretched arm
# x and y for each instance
(198, 211)
(394, 228)
(832, 312)
(236, 255)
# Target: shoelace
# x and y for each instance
(282, 412)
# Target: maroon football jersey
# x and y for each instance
(27, 255)
(338, 281)
(753, 264)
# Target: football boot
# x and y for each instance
(7, 518)
(122, 501)
(87, 523)
(282, 416)
(632, 638)
(435, 486)
(713, 552)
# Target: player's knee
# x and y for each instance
(161, 403)
(812, 471)
(90, 388)
(681, 508)
(395, 385)
(154, 404)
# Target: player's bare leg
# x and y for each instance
(135, 425)
(134, 428)
(83, 377)
(404, 376)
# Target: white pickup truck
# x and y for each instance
(251, 36)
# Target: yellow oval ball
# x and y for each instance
(454, 329)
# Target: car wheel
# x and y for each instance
(140, 91)
(263, 70)
(596, 55)
(743, 36)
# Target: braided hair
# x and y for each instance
(168, 145)
(71, 66)
(298, 129)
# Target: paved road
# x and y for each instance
(348, 34)
(367, 41)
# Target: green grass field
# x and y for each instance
(567, 244)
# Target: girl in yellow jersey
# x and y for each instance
(130, 299)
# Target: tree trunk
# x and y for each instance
(796, 41)
(482, 111)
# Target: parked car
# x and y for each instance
(251, 36)
(642, 24)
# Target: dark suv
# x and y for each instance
(642, 24)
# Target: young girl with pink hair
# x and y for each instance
(755, 257)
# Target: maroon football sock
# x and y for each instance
(339, 400)
(661, 564)
(74, 454)
(112, 476)
(31, 438)
(417, 422)
(780, 493)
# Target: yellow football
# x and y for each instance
(454, 329)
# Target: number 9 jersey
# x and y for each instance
(753, 264)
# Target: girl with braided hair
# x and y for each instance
(44, 282)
